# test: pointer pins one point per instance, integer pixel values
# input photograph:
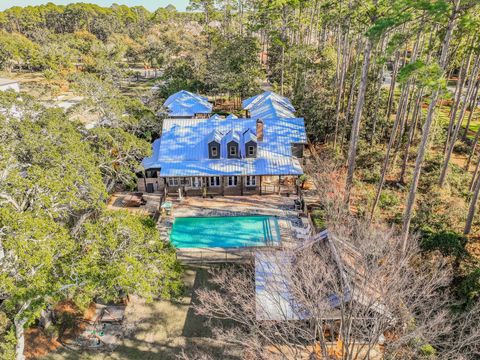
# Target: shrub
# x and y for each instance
(448, 243)
(318, 218)
(388, 199)
(428, 350)
(468, 291)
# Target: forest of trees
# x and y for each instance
(389, 90)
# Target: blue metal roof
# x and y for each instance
(270, 109)
(216, 117)
(232, 116)
(185, 103)
(182, 94)
(183, 148)
(257, 100)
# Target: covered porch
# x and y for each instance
(208, 186)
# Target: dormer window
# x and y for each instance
(251, 146)
(214, 150)
(233, 149)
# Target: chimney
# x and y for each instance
(259, 130)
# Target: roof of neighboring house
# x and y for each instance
(183, 148)
(257, 100)
(232, 116)
(185, 103)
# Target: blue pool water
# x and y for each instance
(225, 232)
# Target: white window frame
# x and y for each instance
(232, 181)
(197, 182)
(214, 183)
(252, 152)
(234, 148)
(173, 181)
(214, 150)
(251, 181)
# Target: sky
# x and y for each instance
(149, 4)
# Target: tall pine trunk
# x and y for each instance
(458, 125)
(472, 107)
(407, 217)
(355, 133)
(473, 205)
(411, 135)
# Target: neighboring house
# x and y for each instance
(224, 156)
(9, 84)
(185, 104)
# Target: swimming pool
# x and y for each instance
(225, 232)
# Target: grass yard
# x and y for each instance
(160, 330)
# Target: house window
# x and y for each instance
(214, 150)
(197, 182)
(251, 181)
(186, 181)
(251, 151)
(173, 181)
(232, 181)
(233, 150)
(215, 181)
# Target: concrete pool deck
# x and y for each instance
(270, 205)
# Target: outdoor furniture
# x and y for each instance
(298, 204)
(112, 314)
(134, 200)
(167, 206)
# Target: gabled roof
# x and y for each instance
(215, 136)
(215, 117)
(257, 100)
(182, 94)
(270, 109)
(185, 103)
(249, 135)
(183, 148)
(232, 136)
(232, 116)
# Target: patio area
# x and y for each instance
(149, 207)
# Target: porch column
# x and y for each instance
(205, 184)
(279, 182)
